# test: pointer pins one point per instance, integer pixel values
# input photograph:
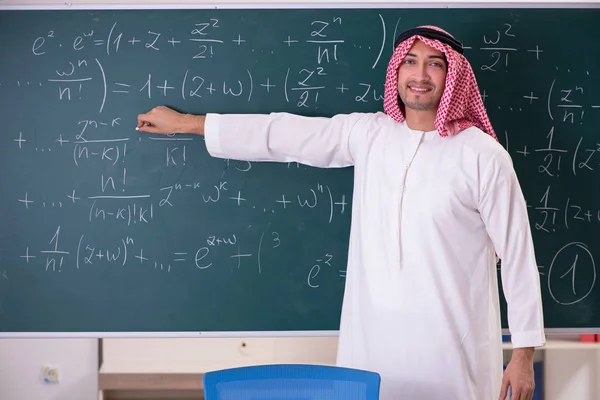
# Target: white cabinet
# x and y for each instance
(571, 368)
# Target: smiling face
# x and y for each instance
(421, 78)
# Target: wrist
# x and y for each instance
(524, 353)
(193, 124)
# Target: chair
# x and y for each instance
(291, 382)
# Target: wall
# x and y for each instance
(21, 360)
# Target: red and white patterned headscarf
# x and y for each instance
(461, 105)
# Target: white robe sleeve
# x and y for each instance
(283, 137)
(504, 212)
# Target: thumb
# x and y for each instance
(144, 124)
(147, 128)
(143, 121)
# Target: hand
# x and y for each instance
(519, 376)
(164, 120)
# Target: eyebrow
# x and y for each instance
(430, 56)
(440, 57)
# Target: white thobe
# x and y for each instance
(429, 216)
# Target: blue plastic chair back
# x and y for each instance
(291, 382)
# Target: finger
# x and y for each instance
(143, 119)
(149, 129)
(521, 394)
(503, 390)
(516, 394)
(525, 393)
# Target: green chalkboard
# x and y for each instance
(107, 231)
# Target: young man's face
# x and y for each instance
(421, 77)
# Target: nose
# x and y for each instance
(421, 73)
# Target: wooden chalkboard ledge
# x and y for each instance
(150, 386)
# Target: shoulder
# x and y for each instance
(381, 120)
(480, 142)
(483, 148)
(482, 155)
(364, 127)
(376, 124)
(370, 120)
(493, 162)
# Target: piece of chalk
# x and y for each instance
(137, 129)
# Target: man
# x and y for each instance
(436, 200)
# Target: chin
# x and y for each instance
(420, 106)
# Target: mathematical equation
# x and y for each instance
(552, 160)
(548, 214)
(204, 38)
(572, 263)
(214, 251)
(326, 36)
(128, 209)
(302, 86)
(91, 77)
(90, 142)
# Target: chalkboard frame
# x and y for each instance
(233, 5)
(15, 5)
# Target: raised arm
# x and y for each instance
(279, 137)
